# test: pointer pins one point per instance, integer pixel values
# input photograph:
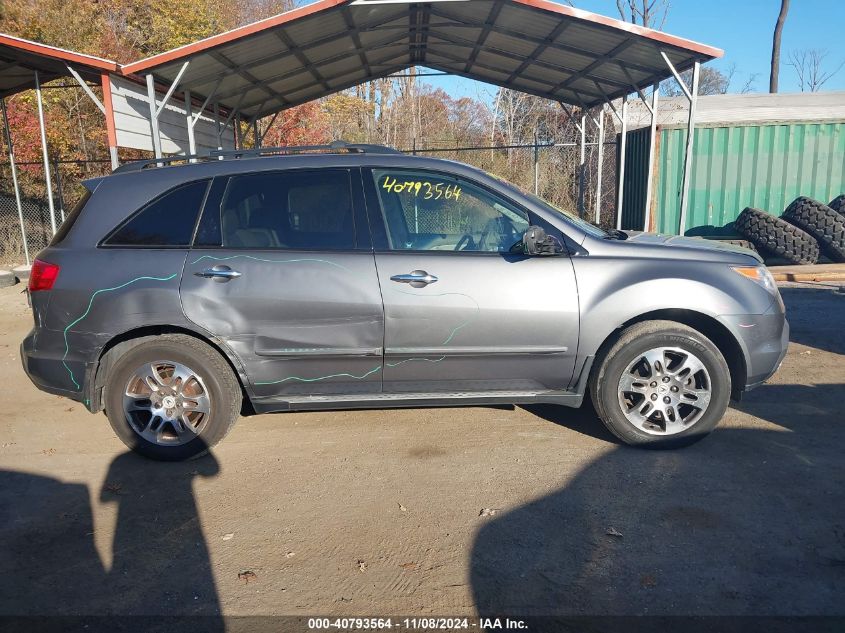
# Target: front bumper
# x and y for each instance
(764, 339)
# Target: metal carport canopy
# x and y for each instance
(533, 46)
(20, 59)
(24, 65)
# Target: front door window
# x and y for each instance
(425, 211)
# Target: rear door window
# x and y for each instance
(292, 210)
(167, 222)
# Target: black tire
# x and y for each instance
(217, 376)
(635, 341)
(777, 237)
(820, 221)
(838, 204)
(7, 278)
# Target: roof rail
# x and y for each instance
(138, 165)
(332, 148)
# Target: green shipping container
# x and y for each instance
(734, 166)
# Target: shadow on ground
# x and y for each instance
(749, 521)
(746, 522)
(816, 316)
(49, 565)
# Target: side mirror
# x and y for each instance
(535, 241)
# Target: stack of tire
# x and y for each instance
(16, 275)
(806, 230)
(7, 278)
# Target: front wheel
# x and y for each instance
(171, 397)
(661, 384)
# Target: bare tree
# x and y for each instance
(748, 86)
(773, 77)
(650, 13)
(711, 82)
(808, 65)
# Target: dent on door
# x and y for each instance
(300, 323)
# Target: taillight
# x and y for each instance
(42, 276)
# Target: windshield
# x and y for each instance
(584, 225)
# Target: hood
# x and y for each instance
(691, 243)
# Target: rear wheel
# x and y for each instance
(661, 384)
(172, 397)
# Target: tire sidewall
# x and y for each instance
(221, 401)
(608, 385)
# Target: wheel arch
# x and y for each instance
(707, 325)
(120, 343)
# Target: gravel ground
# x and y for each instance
(450, 511)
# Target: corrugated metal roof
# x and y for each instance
(19, 58)
(540, 47)
(743, 109)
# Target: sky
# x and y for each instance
(743, 29)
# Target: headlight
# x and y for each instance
(759, 275)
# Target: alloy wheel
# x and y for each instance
(166, 403)
(665, 391)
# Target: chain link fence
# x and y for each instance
(28, 230)
(551, 170)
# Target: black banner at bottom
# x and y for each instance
(351, 624)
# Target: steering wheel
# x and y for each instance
(466, 242)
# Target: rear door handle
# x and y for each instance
(219, 273)
(417, 278)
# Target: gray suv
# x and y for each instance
(177, 296)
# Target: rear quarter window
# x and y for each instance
(167, 222)
(70, 219)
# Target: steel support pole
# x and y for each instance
(256, 137)
(45, 154)
(216, 109)
(623, 148)
(111, 131)
(693, 102)
(151, 95)
(536, 166)
(8, 133)
(600, 166)
(189, 116)
(59, 194)
(582, 169)
(652, 150)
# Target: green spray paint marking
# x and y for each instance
(278, 382)
(88, 310)
(451, 335)
(271, 261)
(411, 360)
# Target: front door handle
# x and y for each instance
(417, 278)
(218, 273)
